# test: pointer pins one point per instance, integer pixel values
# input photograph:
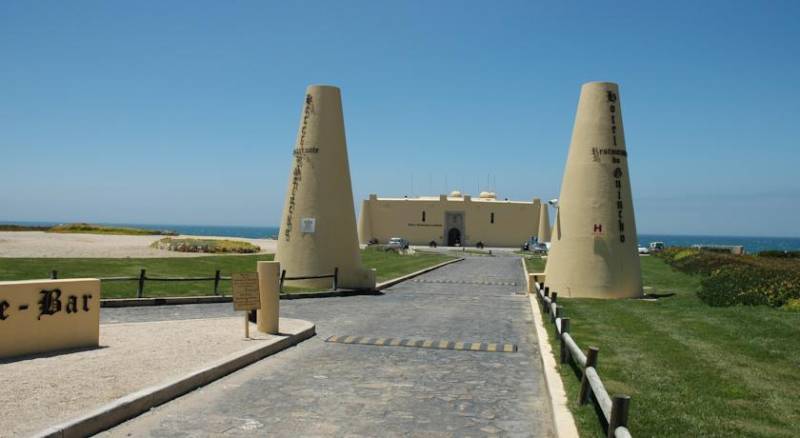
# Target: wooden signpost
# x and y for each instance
(246, 296)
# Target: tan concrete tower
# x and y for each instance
(594, 246)
(365, 222)
(318, 228)
(544, 223)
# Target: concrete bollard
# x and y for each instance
(268, 287)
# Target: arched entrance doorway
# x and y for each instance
(454, 237)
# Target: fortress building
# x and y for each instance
(455, 219)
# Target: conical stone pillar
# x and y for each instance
(544, 224)
(318, 228)
(365, 223)
(594, 245)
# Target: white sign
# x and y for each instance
(308, 224)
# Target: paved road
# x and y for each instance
(330, 389)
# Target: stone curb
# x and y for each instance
(394, 281)
(137, 302)
(563, 421)
(164, 301)
(140, 402)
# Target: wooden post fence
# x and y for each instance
(140, 289)
(614, 409)
(217, 278)
(142, 278)
(334, 277)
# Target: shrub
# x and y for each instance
(750, 285)
(695, 261)
(780, 254)
(793, 304)
(738, 279)
(206, 246)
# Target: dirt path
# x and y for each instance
(41, 244)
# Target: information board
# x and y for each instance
(245, 291)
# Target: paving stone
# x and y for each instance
(323, 389)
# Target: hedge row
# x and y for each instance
(731, 285)
(731, 279)
(212, 246)
(780, 254)
(695, 261)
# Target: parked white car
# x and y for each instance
(657, 246)
(397, 243)
(644, 250)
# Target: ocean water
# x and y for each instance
(751, 244)
(214, 230)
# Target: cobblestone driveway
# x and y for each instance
(329, 389)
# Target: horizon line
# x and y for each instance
(640, 233)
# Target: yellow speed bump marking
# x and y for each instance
(492, 347)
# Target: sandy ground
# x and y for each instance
(44, 391)
(41, 244)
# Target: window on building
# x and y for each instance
(491, 218)
(423, 215)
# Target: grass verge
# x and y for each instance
(535, 264)
(389, 265)
(691, 369)
(103, 229)
(13, 227)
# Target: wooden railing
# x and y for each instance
(334, 276)
(614, 409)
(142, 277)
(217, 278)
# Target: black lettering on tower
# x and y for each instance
(298, 162)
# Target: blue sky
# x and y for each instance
(186, 112)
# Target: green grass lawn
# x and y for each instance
(535, 264)
(690, 369)
(392, 265)
(389, 265)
